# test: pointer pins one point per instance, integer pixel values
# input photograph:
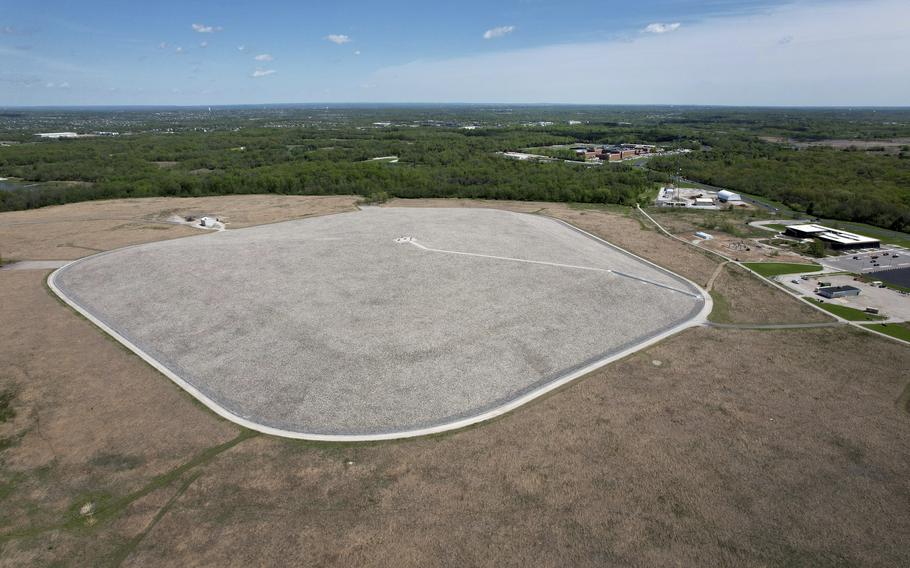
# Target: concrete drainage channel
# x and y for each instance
(380, 324)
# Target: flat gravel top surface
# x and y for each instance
(330, 326)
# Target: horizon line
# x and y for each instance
(450, 103)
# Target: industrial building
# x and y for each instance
(685, 197)
(57, 135)
(835, 238)
(838, 291)
(724, 196)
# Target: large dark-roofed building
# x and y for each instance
(835, 238)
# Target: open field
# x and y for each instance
(714, 447)
(889, 145)
(72, 231)
(741, 298)
(684, 220)
(481, 308)
(636, 464)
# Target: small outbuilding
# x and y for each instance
(838, 291)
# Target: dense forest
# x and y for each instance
(853, 185)
(452, 151)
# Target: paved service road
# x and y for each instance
(380, 323)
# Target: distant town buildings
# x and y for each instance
(615, 153)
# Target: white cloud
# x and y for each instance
(178, 49)
(658, 28)
(204, 29)
(264, 57)
(733, 60)
(338, 38)
(241, 48)
(162, 45)
(65, 85)
(498, 32)
(203, 44)
(356, 52)
(263, 73)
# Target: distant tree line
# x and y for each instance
(309, 150)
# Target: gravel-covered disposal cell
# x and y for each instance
(381, 322)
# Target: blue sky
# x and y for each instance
(774, 52)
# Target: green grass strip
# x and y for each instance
(847, 313)
(769, 269)
(898, 330)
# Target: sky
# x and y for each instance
(707, 52)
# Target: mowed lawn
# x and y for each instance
(846, 312)
(898, 330)
(771, 269)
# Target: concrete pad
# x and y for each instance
(380, 323)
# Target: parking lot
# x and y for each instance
(871, 260)
(890, 303)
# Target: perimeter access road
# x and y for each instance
(771, 282)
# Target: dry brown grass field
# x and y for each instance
(714, 447)
(739, 297)
(66, 232)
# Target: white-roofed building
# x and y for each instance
(835, 238)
